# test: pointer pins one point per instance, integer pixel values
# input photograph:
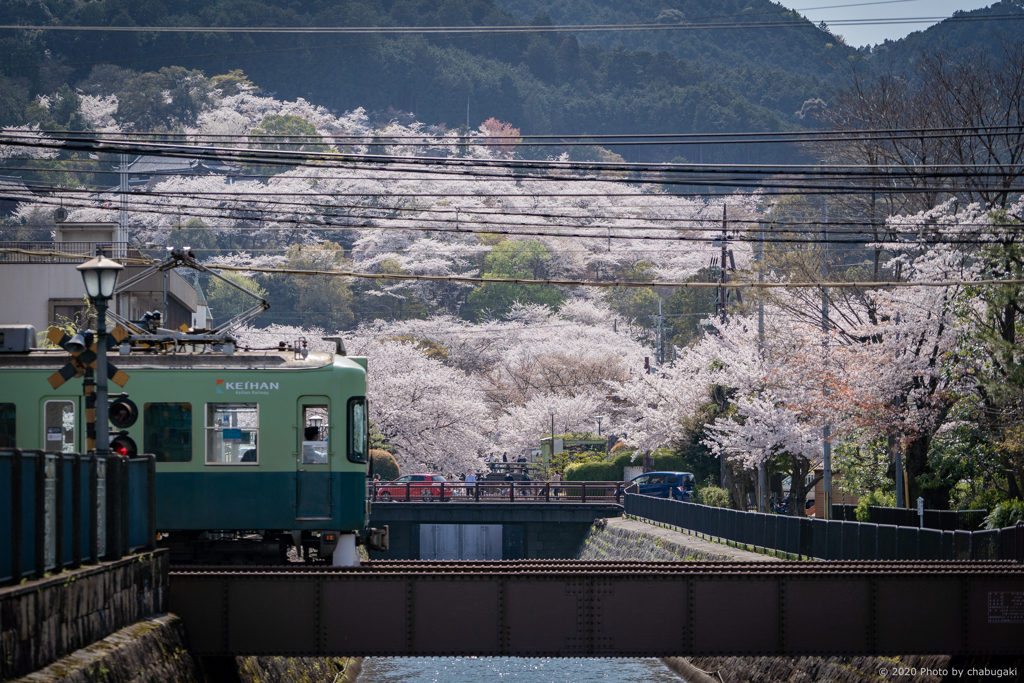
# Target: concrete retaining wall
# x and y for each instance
(42, 621)
(529, 530)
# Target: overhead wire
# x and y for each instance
(690, 25)
(551, 231)
(451, 138)
(285, 157)
(270, 199)
(733, 284)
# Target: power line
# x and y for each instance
(735, 284)
(512, 30)
(713, 222)
(452, 138)
(519, 231)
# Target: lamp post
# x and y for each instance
(599, 418)
(100, 277)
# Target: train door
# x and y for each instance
(313, 475)
(60, 425)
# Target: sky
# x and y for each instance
(834, 11)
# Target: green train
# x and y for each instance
(256, 452)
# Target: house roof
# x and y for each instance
(166, 165)
(13, 188)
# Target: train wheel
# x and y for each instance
(384, 496)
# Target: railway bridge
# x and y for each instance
(604, 609)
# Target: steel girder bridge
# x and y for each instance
(604, 609)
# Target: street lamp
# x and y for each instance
(100, 276)
(599, 418)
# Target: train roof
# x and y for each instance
(240, 360)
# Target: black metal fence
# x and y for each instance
(943, 520)
(830, 540)
(62, 510)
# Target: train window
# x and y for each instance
(358, 446)
(59, 427)
(7, 425)
(232, 431)
(314, 435)
(167, 431)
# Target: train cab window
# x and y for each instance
(314, 435)
(358, 432)
(167, 431)
(59, 427)
(7, 425)
(232, 431)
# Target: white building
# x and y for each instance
(41, 290)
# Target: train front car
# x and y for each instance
(261, 452)
(260, 456)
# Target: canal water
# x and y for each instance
(513, 669)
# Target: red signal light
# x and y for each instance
(124, 446)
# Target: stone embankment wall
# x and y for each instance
(153, 650)
(107, 623)
(298, 669)
(629, 539)
(42, 621)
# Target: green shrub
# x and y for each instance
(384, 464)
(593, 471)
(1007, 513)
(989, 499)
(873, 499)
(713, 496)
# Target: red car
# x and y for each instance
(415, 486)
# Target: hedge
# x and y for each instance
(613, 470)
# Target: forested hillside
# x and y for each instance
(542, 83)
(778, 67)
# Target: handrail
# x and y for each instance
(38, 536)
(497, 491)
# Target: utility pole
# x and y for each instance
(723, 468)
(122, 216)
(826, 431)
(661, 336)
(722, 296)
(762, 469)
(896, 448)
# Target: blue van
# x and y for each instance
(677, 485)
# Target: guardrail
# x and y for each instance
(62, 510)
(498, 491)
(944, 520)
(830, 540)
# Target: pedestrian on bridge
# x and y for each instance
(556, 482)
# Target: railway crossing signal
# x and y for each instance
(122, 414)
(82, 348)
